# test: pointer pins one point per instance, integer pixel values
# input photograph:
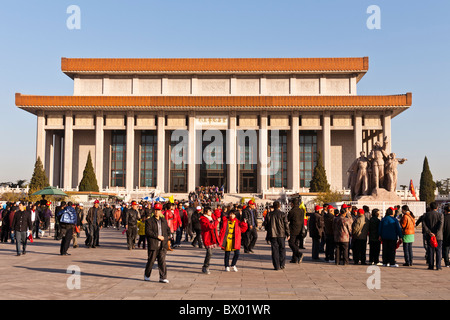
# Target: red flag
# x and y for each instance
(412, 190)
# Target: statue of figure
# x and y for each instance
(391, 171)
(377, 156)
(358, 180)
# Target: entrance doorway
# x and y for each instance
(178, 181)
(247, 181)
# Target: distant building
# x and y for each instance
(129, 112)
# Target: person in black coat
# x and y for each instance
(21, 223)
(157, 232)
(277, 227)
(446, 235)
(316, 227)
(433, 225)
(296, 225)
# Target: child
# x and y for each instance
(230, 238)
(141, 232)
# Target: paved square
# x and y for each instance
(111, 272)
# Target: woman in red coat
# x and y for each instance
(209, 223)
(230, 239)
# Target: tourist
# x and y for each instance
(433, 226)
(277, 227)
(360, 229)
(197, 227)
(21, 224)
(230, 239)
(141, 231)
(95, 220)
(316, 225)
(180, 215)
(446, 236)
(172, 222)
(408, 223)
(157, 232)
(251, 236)
(330, 246)
(390, 232)
(35, 220)
(67, 222)
(117, 216)
(296, 225)
(209, 224)
(342, 229)
(46, 215)
(132, 218)
(374, 238)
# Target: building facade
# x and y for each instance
(173, 124)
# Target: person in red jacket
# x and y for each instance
(230, 239)
(173, 220)
(180, 215)
(209, 223)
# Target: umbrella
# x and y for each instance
(160, 199)
(50, 191)
(147, 198)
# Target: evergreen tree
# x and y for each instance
(39, 180)
(89, 180)
(319, 182)
(427, 184)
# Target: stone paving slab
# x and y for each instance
(111, 272)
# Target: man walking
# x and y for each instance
(251, 235)
(433, 225)
(21, 223)
(316, 225)
(277, 226)
(132, 218)
(296, 225)
(95, 221)
(67, 221)
(157, 232)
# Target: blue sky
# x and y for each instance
(410, 53)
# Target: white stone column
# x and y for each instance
(294, 157)
(323, 84)
(231, 154)
(387, 130)
(40, 140)
(130, 151)
(191, 153)
(49, 155)
(68, 151)
(161, 173)
(264, 164)
(326, 144)
(357, 129)
(58, 157)
(99, 146)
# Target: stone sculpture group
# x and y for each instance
(377, 172)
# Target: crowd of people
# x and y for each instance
(207, 195)
(337, 233)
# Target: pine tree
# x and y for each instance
(319, 182)
(39, 179)
(427, 184)
(89, 180)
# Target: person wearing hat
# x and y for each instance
(157, 232)
(342, 229)
(251, 235)
(95, 220)
(131, 226)
(316, 225)
(196, 227)
(328, 219)
(360, 229)
(230, 238)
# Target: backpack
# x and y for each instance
(68, 215)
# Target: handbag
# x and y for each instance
(433, 242)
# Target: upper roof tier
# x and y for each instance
(73, 66)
